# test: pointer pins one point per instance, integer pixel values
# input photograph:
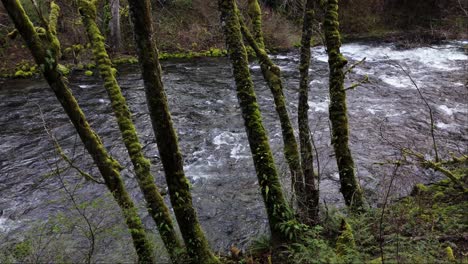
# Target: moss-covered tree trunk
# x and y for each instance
(337, 110)
(45, 55)
(277, 209)
(272, 75)
(166, 138)
(155, 203)
(310, 195)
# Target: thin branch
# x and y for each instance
(355, 85)
(431, 116)
(387, 194)
(354, 66)
(60, 151)
(437, 166)
(462, 8)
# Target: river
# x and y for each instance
(385, 114)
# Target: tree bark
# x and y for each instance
(166, 138)
(337, 111)
(114, 25)
(272, 75)
(155, 202)
(277, 209)
(44, 54)
(311, 190)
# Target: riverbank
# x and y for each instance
(188, 29)
(384, 114)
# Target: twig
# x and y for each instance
(431, 116)
(387, 194)
(437, 167)
(462, 8)
(60, 151)
(354, 66)
(355, 85)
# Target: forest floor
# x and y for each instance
(429, 226)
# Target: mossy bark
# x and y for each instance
(277, 209)
(255, 14)
(166, 138)
(338, 112)
(45, 56)
(310, 195)
(155, 202)
(272, 75)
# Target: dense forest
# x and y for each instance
(192, 131)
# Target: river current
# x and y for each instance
(386, 114)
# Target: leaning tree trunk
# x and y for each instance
(311, 191)
(45, 53)
(114, 26)
(277, 209)
(272, 75)
(166, 138)
(155, 203)
(337, 110)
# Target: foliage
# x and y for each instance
(313, 248)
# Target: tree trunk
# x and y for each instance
(114, 26)
(45, 56)
(337, 110)
(166, 138)
(311, 193)
(155, 203)
(272, 75)
(277, 209)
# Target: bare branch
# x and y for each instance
(431, 116)
(62, 154)
(354, 66)
(355, 85)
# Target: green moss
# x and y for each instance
(23, 74)
(88, 73)
(12, 34)
(279, 213)
(345, 243)
(450, 256)
(155, 203)
(64, 70)
(125, 60)
(338, 113)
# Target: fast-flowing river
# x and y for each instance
(386, 115)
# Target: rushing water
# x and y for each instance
(385, 114)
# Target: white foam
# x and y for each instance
(441, 58)
(6, 224)
(320, 106)
(315, 82)
(397, 81)
(236, 152)
(444, 126)
(446, 109)
(226, 138)
(372, 110)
